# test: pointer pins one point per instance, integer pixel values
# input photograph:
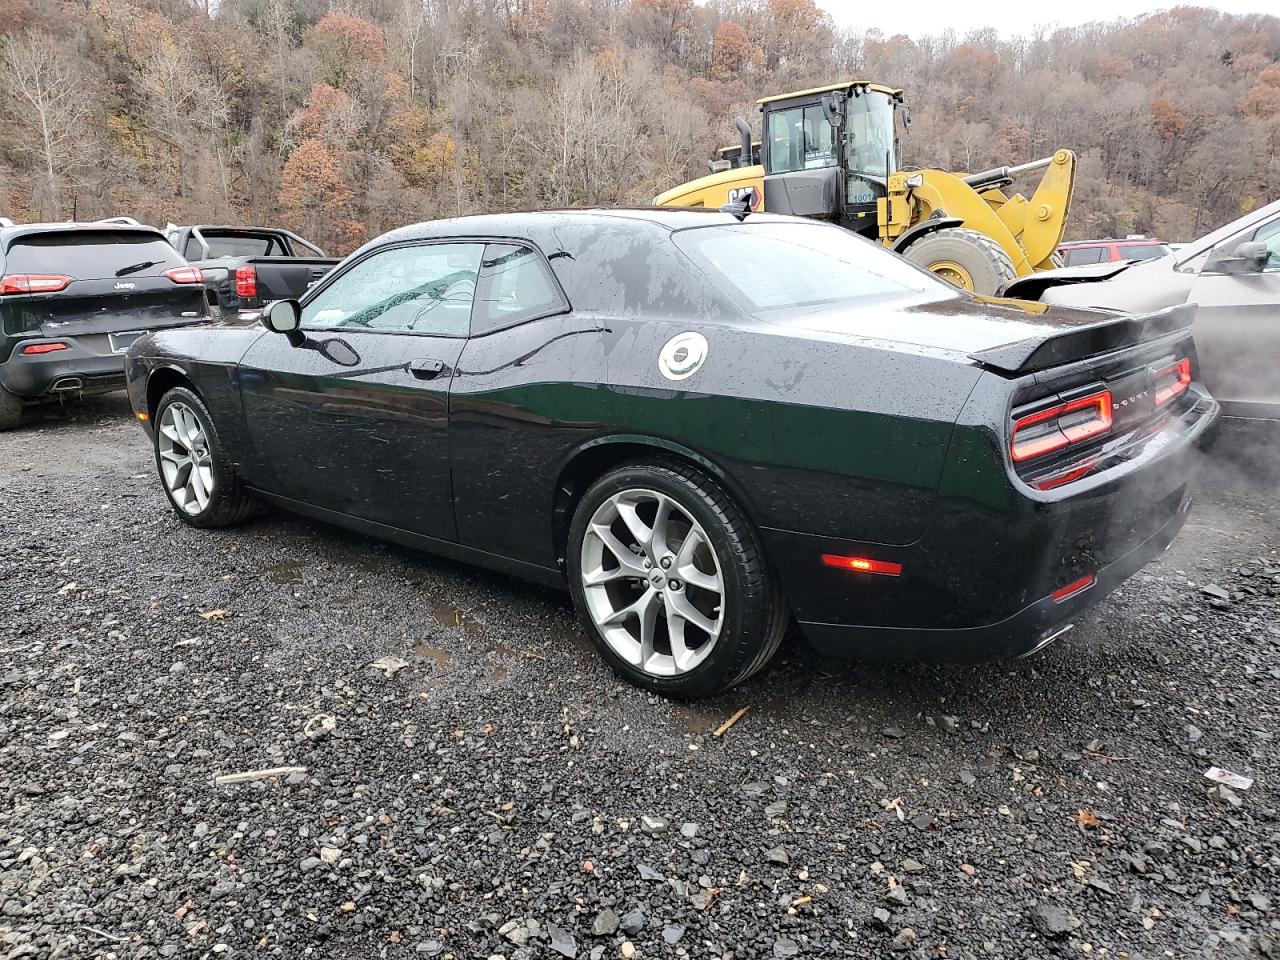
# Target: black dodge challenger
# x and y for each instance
(705, 427)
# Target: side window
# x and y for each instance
(193, 251)
(800, 139)
(1081, 255)
(424, 288)
(1269, 233)
(514, 286)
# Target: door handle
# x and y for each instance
(426, 369)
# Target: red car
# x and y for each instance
(1079, 252)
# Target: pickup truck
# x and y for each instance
(245, 268)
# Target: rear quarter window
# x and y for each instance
(626, 268)
(91, 254)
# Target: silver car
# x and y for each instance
(1233, 274)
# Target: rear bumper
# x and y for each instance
(980, 583)
(1025, 631)
(33, 377)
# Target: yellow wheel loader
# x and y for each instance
(832, 153)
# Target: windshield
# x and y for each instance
(787, 265)
(869, 140)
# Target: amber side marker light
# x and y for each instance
(1071, 589)
(142, 415)
(862, 565)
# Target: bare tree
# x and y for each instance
(51, 103)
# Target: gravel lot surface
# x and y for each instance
(495, 791)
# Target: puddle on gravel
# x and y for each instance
(290, 571)
(446, 614)
(431, 653)
(695, 719)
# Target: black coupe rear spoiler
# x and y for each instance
(1077, 343)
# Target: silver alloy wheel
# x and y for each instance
(185, 460)
(652, 582)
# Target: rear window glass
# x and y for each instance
(775, 266)
(92, 254)
(1145, 251)
(252, 245)
(1081, 255)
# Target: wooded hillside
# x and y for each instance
(345, 119)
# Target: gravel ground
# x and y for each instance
(503, 794)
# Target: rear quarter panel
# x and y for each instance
(837, 438)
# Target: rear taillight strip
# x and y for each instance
(185, 275)
(1060, 426)
(1180, 371)
(18, 283)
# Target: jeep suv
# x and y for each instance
(73, 296)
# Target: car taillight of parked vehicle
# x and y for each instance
(36, 349)
(185, 275)
(246, 283)
(19, 283)
(1061, 425)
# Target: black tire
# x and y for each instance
(10, 410)
(229, 503)
(988, 266)
(754, 615)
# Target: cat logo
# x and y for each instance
(750, 194)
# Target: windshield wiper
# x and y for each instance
(135, 267)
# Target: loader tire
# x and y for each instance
(966, 258)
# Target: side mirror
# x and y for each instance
(1249, 256)
(833, 109)
(283, 316)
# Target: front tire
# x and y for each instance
(197, 477)
(966, 258)
(670, 581)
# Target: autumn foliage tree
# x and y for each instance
(315, 196)
(343, 119)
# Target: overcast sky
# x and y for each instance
(935, 16)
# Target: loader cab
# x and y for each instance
(828, 152)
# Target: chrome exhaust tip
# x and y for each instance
(67, 385)
(1047, 639)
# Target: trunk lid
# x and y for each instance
(95, 307)
(1010, 337)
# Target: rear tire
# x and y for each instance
(10, 410)
(671, 582)
(966, 258)
(197, 477)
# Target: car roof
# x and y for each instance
(1128, 241)
(231, 227)
(531, 222)
(10, 234)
